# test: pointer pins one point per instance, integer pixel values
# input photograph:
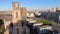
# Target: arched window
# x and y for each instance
(16, 15)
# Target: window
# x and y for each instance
(59, 19)
(16, 15)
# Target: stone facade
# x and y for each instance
(55, 9)
(16, 12)
(23, 12)
(16, 15)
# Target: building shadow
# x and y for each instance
(19, 28)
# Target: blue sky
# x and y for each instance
(7, 4)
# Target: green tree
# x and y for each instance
(44, 22)
(2, 29)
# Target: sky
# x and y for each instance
(30, 4)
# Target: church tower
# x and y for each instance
(16, 13)
(55, 9)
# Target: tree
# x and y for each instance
(2, 28)
(44, 22)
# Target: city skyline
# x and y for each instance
(30, 4)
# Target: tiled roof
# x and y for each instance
(5, 12)
(5, 15)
